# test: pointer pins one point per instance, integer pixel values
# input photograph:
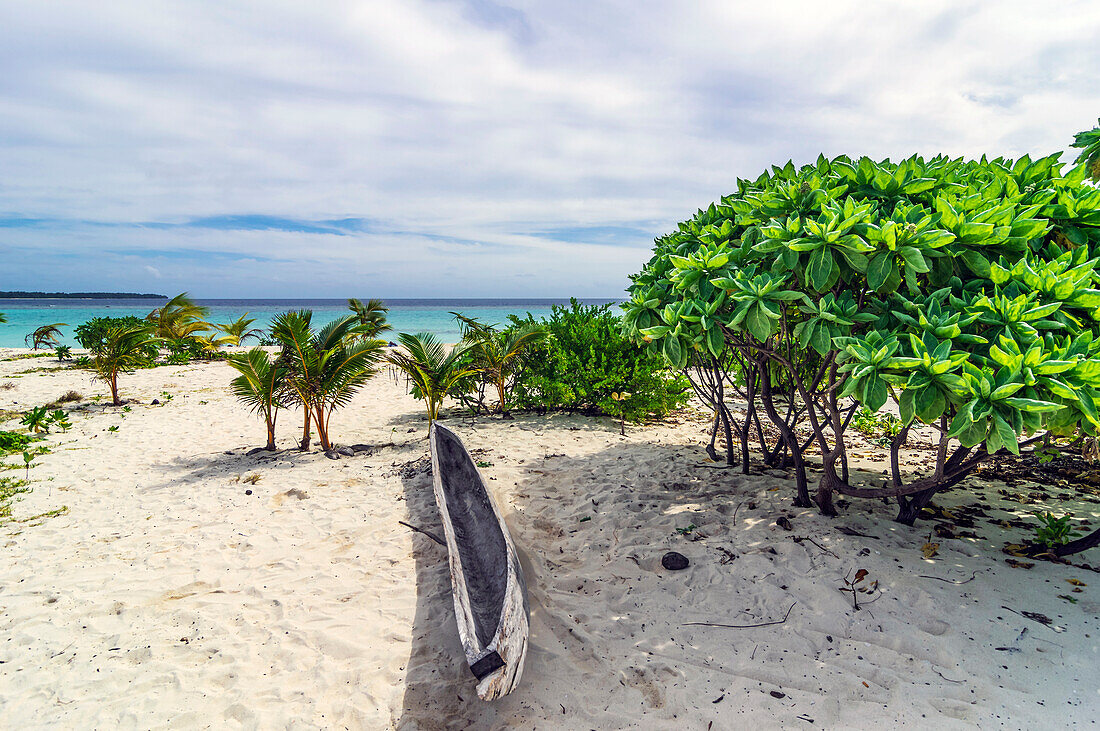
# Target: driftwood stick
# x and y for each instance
(429, 534)
(1051, 626)
(949, 581)
(799, 539)
(742, 626)
(949, 680)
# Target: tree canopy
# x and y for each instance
(964, 291)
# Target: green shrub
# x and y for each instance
(585, 360)
(967, 292)
(13, 442)
(182, 351)
(93, 334)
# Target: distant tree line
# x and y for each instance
(80, 295)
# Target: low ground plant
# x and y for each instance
(14, 442)
(37, 420)
(10, 490)
(1052, 531)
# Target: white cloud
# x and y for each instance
(482, 122)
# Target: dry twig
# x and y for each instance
(742, 626)
(429, 534)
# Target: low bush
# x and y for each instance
(93, 334)
(585, 359)
(14, 442)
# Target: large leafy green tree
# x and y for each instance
(965, 292)
(1089, 142)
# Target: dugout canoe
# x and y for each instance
(490, 593)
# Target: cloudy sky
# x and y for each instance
(455, 148)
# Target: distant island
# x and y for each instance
(80, 296)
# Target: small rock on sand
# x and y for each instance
(674, 561)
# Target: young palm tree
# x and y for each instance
(324, 368)
(212, 344)
(122, 350)
(431, 369)
(45, 336)
(371, 317)
(292, 330)
(497, 355)
(178, 318)
(240, 329)
(261, 386)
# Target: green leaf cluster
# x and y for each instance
(585, 359)
(965, 291)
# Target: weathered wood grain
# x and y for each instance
(490, 594)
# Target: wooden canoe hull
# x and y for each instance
(490, 594)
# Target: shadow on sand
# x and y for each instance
(563, 676)
(439, 687)
(591, 530)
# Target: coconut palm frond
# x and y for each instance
(178, 318)
(45, 336)
(371, 317)
(260, 386)
(432, 370)
(497, 355)
(122, 349)
(325, 368)
(240, 329)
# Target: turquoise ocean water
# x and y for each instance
(406, 315)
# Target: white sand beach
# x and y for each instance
(177, 593)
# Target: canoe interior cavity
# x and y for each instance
(481, 545)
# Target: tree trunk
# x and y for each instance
(270, 420)
(711, 451)
(909, 508)
(750, 396)
(322, 428)
(802, 496)
(114, 390)
(304, 445)
(823, 497)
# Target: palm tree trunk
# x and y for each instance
(114, 390)
(304, 446)
(269, 418)
(322, 427)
